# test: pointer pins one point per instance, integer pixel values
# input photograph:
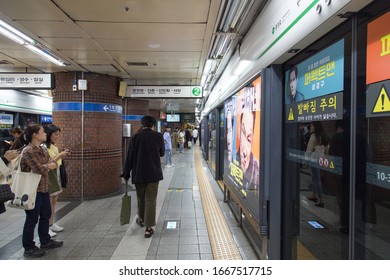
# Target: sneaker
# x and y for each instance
(168, 166)
(34, 253)
(55, 227)
(52, 233)
(52, 244)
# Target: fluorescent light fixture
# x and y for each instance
(46, 55)
(210, 67)
(11, 36)
(20, 38)
(228, 26)
(12, 33)
(223, 46)
(241, 10)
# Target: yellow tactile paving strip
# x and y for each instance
(222, 243)
(304, 253)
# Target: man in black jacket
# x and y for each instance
(143, 160)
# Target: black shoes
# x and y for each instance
(140, 222)
(52, 244)
(34, 253)
(149, 232)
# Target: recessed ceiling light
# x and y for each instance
(154, 46)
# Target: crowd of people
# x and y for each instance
(183, 138)
(34, 150)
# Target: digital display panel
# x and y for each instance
(173, 118)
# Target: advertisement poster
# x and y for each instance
(242, 153)
(378, 49)
(378, 70)
(314, 87)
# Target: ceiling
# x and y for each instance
(145, 42)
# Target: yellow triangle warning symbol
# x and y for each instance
(331, 165)
(291, 115)
(383, 102)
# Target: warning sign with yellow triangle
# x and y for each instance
(382, 104)
(291, 115)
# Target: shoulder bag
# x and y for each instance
(6, 193)
(63, 174)
(24, 186)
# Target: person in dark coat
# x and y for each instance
(143, 161)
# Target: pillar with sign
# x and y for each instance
(87, 108)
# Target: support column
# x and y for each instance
(94, 136)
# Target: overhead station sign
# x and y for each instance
(164, 91)
(26, 81)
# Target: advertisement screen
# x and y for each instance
(173, 118)
(242, 152)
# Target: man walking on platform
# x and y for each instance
(143, 160)
(195, 135)
(168, 147)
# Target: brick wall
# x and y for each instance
(98, 174)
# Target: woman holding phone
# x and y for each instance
(52, 134)
(36, 159)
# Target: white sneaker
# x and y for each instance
(55, 227)
(52, 233)
(168, 166)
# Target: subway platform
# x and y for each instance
(193, 223)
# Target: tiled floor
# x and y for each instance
(92, 229)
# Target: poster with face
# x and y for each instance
(230, 112)
(242, 152)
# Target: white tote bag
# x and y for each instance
(24, 186)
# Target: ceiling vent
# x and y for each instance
(2, 62)
(137, 63)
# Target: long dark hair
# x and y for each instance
(320, 134)
(30, 130)
(49, 130)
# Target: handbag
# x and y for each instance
(6, 193)
(24, 186)
(63, 174)
(125, 208)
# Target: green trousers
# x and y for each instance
(146, 198)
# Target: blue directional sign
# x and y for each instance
(46, 119)
(88, 107)
(132, 117)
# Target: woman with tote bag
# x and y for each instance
(35, 158)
